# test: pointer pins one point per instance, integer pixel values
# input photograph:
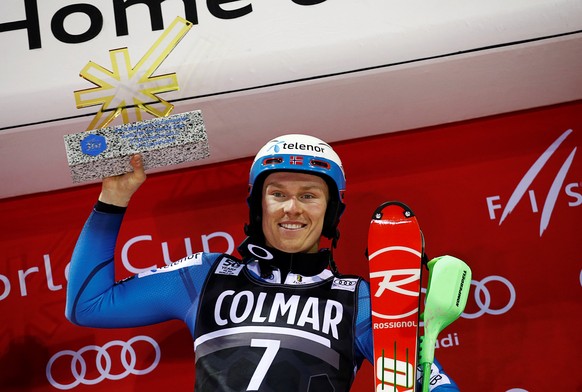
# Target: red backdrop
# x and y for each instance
(520, 328)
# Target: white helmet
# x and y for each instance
(304, 154)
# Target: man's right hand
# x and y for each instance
(117, 190)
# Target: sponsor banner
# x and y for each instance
(236, 45)
(504, 194)
(104, 362)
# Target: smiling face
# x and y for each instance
(294, 207)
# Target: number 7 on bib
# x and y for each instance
(395, 249)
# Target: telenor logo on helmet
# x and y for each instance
(281, 145)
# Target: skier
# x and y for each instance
(280, 319)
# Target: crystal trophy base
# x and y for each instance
(161, 141)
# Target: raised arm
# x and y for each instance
(93, 297)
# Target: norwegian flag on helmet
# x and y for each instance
(296, 160)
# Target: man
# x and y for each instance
(275, 321)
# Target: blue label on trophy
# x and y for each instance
(93, 145)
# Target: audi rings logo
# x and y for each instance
(103, 362)
(346, 282)
(482, 297)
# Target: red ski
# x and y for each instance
(395, 248)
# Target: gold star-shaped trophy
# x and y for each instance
(104, 151)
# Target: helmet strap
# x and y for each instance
(332, 264)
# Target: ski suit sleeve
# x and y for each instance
(440, 381)
(95, 299)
